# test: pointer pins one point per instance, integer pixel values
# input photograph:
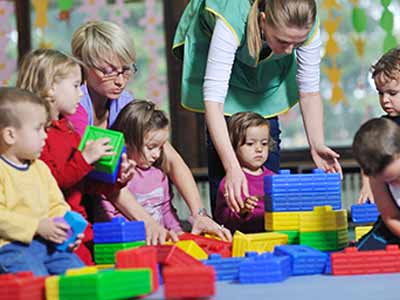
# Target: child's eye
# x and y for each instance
(393, 93)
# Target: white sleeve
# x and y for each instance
(308, 65)
(221, 56)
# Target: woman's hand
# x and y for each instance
(157, 234)
(204, 224)
(326, 159)
(126, 169)
(365, 193)
(235, 188)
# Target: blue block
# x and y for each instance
(106, 177)
(77, 224)
(264, 268)
(304, 259)
(225, 268)
(364, 213)
(119, 231)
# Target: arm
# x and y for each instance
(169, 216)
(365, 193)
(390, 213)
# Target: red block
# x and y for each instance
(210, 245)
(22, 286)
(168, 255)
(142, 257)
(351, 261)
(189, 282)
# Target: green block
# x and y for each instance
(105, 253)
(293, 236)
(325, 240)
(106, 285)
(106, 164)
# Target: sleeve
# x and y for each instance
(79, 120)
(308, 65)
(14, 226)
(221, 56)
(168, 212)
(66, 172)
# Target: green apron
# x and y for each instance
(267, 87)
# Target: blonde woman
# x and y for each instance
(260, 56)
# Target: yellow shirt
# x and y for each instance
(27, 195)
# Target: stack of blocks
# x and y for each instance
(300, 205)
(363, 215)
(119, 234)
(106, 169)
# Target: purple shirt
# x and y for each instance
(252, 222)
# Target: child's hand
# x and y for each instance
(94, 150)
(72, 247)
(126, 169)
(55, 232)
(249, 205)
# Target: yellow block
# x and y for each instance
(259, 242)
(323, 218)
(104, 266)
(82, 271)
(51, 285)
(191, 248)
(359, 231)
(274, 221)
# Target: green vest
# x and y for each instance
(267, 87)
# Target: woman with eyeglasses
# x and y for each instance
(108, 54)
(251, 55)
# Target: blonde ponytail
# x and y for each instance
(254, 42)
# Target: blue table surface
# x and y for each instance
(324, 287)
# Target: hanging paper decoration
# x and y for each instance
(41, 8)
(360, 21)
(386, 22)
(156, 85)
(92, 8)
(7, 64)
(119, 13)
(65, 9)
(331, 25)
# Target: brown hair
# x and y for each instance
(240, 122)
(9, 98)
(279, 14)
(376, 144)
(135, 120)
(388, 66)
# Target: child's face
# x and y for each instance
(391, 174)
(389, 95)
(30, 137)
(254, 152)
(67, 94)
(154, 141)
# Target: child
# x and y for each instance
(249, 135)
(57, 77)
(29, 195)
(376, 148)
(146, 130)
(386, 75)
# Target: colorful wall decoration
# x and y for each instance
(7, 62)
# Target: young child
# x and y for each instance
(249, 135)
(376, 148)
(29, 195)
(146, 130)
(386, 75)
(57, 77)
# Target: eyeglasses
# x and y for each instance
(112, 73)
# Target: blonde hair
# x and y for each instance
(40, 68)
(135, 120)
(388, 67)
(94, 41)
(279, 14)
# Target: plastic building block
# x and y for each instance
(119, 231)
(304, 260)
(278, 221)
(301, 192)
(106, 285)
(351, 261)
(364, 213)
(226, 268)
(323, 218)
(259, 242)
(326, 240)
(142, 257)
(51, 284)
(21, 286)
(107, 164)
(185, 282)
(209, 244)
(173, 256)
(191, 248)
(264, 268)
(81, 271)
(293, 236)
(360, 231)
(104, 266)
(105, 253)
(108, 177)
(77, 225)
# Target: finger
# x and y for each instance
(173, 236)
(227, 235)
(104, 140)
(238, 195)
(231, 200)
(162, 237)
(64, 227)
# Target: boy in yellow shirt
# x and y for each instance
(29, 195)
